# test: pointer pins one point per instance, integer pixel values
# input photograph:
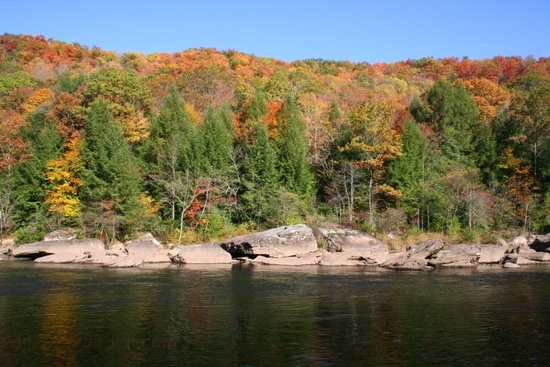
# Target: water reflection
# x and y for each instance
(272, 316)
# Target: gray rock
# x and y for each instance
(456, 256)
(208, 253)
(45, 248)
(415, 258)
(278, 242)
(142, 248)
(61, 235)
(346, 259)
(308, 259)
(355, 243)
(143, 245)
(510, 265)
(63, 258)
(535, 256)
(492, 254)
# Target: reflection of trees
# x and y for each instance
(59, 338)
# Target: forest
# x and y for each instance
(203, 144)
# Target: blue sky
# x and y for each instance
(371, 31)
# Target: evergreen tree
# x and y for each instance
(110, 176)
(217, 140)
(453, 115)
(44, 143)
(171, 135)
(260, 177)
(295, 169)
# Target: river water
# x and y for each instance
(62, 315)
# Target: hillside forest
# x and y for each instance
(203, 144)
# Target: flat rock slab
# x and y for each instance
(278, 242)
(456, 256)
(492, 254)
(346, 259)
(207, 253)
(415, 258)
(309, 259)
(62, 258)
(355, 242)
(45, 248)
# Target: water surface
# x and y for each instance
(272, 316)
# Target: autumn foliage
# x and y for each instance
(341, 140)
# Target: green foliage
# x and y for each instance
(171, 138)
(203, 164)
(11, 81)
(296, 172)
(453, 115)
(217, 140)
(111, 180)
(68, 82)
(260, 177)
(44, 143)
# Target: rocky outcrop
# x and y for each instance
(78, 248)
(144, 250)
(278, 242)
(61, 235)
(346, 259)
(141, 251)
(415, 258)
(456, 256)
(208, 253)
(355, 245)
(301, 260)
(492, 254)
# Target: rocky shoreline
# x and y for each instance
(286, 246)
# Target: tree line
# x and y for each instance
(204, 144)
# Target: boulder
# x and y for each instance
(79, 248)
(144, 245)
(535, 256)
(541, 243)
(355, 243)
(278, 242)
(207, 253)
(510, 265)
(456, 256)
(492, 254)
(144, 250)
(415, 258)
(61, 235)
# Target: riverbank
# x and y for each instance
(296, 245)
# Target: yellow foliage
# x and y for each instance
(61, 173)
(38, 98)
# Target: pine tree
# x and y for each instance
(217, 140)
(44, 143)
(111, 184)
(296, 171)
(260, 177)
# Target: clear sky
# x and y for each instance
(354, 30)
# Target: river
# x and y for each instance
(63, 315)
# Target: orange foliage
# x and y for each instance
(12, 146)
(38, 98)
(270, 120)
(488, 96)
